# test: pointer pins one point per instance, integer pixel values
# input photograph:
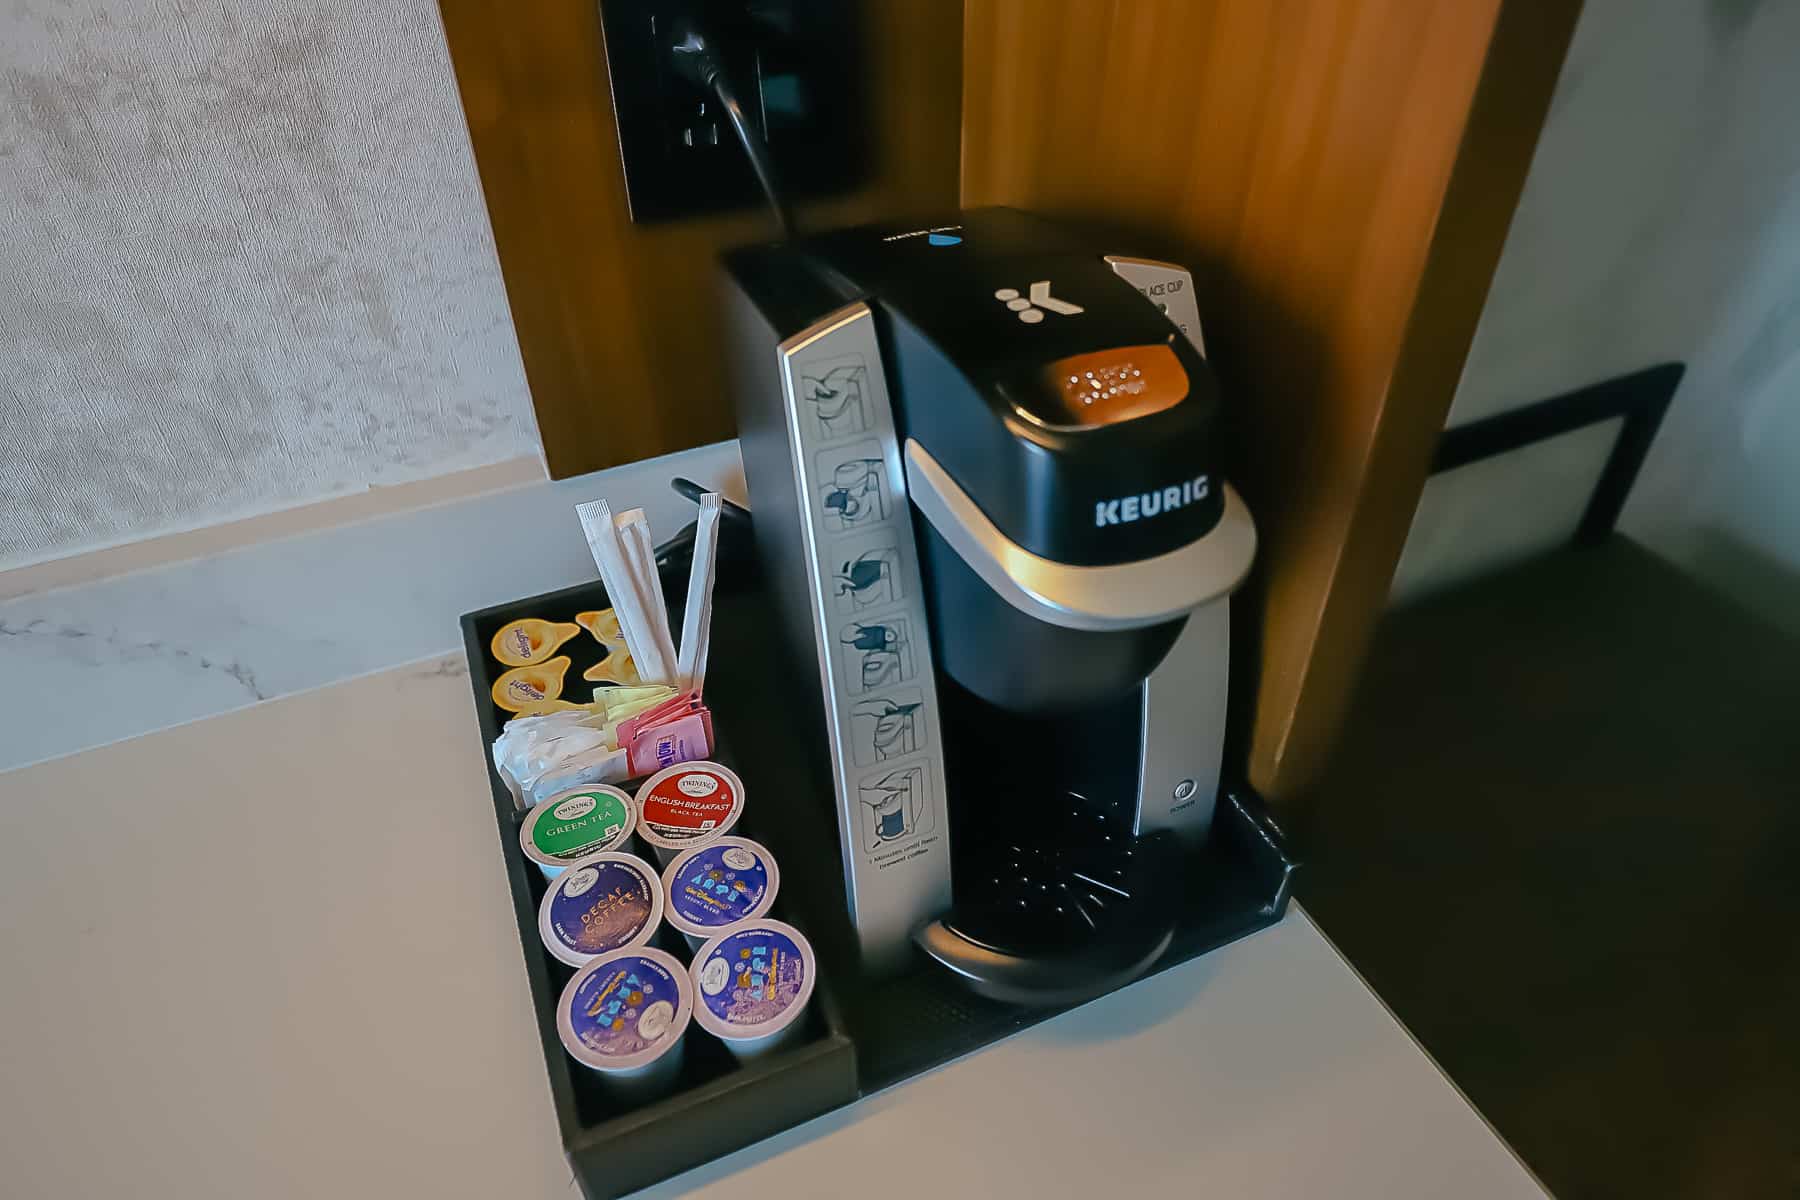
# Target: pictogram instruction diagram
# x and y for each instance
(834, 398)
(854, 493)
(886, 727)
(876, 653)
(892, 806)
(866, 573)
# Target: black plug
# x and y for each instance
(700, 60)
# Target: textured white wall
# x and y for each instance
(245, 264)
(1660, 220)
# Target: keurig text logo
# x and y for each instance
(1148, 504)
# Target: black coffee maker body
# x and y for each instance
(983, 465)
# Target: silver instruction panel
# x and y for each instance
(869, 621)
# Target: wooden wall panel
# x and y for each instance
(1339, 174)
(618, 323)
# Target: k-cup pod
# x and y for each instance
(751, 985)
(575, 824)
(602, 903)
(709, 888)
(623, 1017)
(688, 805)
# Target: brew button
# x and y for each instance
(1184, 789)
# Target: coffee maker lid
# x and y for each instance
(1061, 402)
(1078, 422)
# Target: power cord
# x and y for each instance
(696, 59)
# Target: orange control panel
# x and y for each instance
(1105, 387)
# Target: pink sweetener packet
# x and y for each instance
(650, 718)
(684, 739)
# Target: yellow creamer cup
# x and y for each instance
(604, 625)
(529, 687)
(528, 641)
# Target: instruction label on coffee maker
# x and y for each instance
(869, 621)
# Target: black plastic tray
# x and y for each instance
(720, 1104)
(864, 1034)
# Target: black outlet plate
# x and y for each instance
(796, 66)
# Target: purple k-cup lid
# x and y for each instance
(625, 1010)
(710, 887)
(603, 902)
(753, 980)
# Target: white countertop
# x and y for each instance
(271, 953)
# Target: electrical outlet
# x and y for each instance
(796, 66)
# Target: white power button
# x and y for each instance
(1184, 789)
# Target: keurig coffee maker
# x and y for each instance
(984, 467)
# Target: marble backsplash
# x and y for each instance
(118, 657)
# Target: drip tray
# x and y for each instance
(1235, 883)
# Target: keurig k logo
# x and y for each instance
(1031, 311)
(1149, 504)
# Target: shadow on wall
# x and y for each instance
(1747, 576)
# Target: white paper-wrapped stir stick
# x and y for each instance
(625, 553)
(696, 621)
(640, 556)
(639, 617)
